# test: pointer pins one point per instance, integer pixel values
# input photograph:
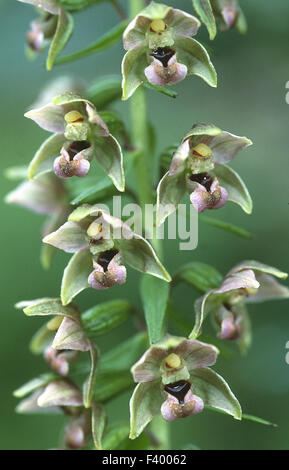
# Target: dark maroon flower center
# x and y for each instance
(178, 390)
(105, 258)
(76, 147)
(163, 54)
(204, 179)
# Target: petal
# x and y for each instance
(196, 354)
(199, 198)
(225, 146)
(192, 54)
(183, 24)
(70, 335)
(239, 280)
(41, 195)
(269, 289)
(148, 367)
(134, 35)
(259, 268)
(50, 117)
(60, 393)
(71, 237)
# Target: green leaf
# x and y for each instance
(50, 148)
(154, 294)
(215, 392)
(206, 15)
(145, 404)
(133, 65)
(195, 57)
(62, 35)
(139, 254)
(237, 190)
(100, 191)
(105, 316)
(115, 436)
(104, 91)
(161, 89)
(103, 43)
(241, 24)
(123, 356)
(98, 421)
(228, 227)
(75, 276)
(34, 384)
(109, 155)
(108, 385)
(199, 275)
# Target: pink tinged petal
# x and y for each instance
(148, 367)
(70, 335)
(230, 15)
(49, 117)
(226, 146)
(171, 409)
(35, 40)
(74, 437)
(199, 198)
(41, 195)
(178, 164)
(196, 354)
(60, 393)
(240, 280)
(134, 34)
(269, 289)
(183, 24)
(101, 128)
(59, 361)
(159, 75)
(70, 237)
(229, 323)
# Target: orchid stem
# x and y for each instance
(140, 136)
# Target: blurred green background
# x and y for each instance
(250, 100)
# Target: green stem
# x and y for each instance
(140, 136)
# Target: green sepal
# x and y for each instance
(64, 29)
(75, 276)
